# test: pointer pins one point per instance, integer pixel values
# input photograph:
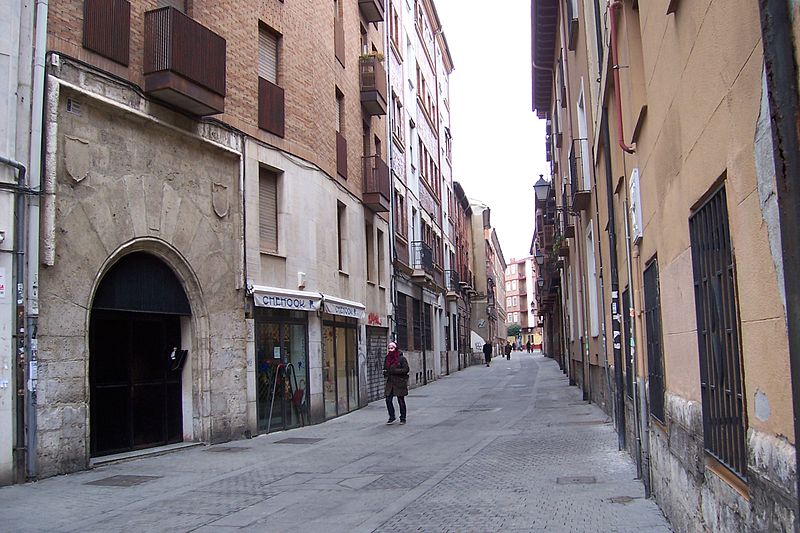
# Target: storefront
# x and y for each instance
(340, 364)
(282, 365)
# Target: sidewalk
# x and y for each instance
(507, 448)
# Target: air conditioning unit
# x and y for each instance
(635, 207)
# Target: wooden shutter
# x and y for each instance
(268, 210)
(180, 5)
(268, 55)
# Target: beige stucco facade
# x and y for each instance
(695, 117)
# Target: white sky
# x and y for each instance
(498, 143)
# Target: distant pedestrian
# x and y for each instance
(487, 352)
(395, 370)
(528, 346)
(508, 351)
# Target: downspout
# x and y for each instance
(18, 284)
(782, 85)
(392, 206)
(612, 7)
(642, 438)
(36, 158)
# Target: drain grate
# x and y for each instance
(227, 449)
(122, 481)
(297, 440)
(576, 480)
(479, 410)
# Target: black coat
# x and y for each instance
(487, 349)
(396, 377)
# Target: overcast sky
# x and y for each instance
(498, 143)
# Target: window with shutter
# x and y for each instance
(268, 210)
(268, 55)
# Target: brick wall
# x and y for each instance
(308, 70)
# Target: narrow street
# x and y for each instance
(506, 448)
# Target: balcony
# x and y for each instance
(452, 283)
(371, 10)
(184, 62)
(376, 184)
(581, 197)
(421, 261)
(372, 76)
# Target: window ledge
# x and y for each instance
(273, 254)
(370, 282)
(728, 476)
(344, 274)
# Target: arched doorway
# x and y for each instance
(136, 357)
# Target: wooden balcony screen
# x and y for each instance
(271, 107)
(174, 42)
(341, 155)
(107, 28)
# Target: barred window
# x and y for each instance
(428, 317)
(721, 373)
(655, 358)
(401, 320)
(416, 320)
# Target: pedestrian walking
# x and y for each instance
(395, 370)
(487, 352)
(528, 346)
(507, 349)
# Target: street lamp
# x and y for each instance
(542, 189)
(540, 282)
(539, 257)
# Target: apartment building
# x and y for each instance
(419, 68)
(214, 234)
(521, 305)
(663, 291)
(461, 280)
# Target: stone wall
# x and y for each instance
(123, 184)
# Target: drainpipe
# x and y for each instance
(32, 289)
(18, 284)
(640, 410)
(782, 71)
(612, 7)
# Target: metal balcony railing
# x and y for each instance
(422, 257)
(376, 184)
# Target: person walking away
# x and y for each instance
(395, 370)
(528, 346)
(507, 349)
(487, 352)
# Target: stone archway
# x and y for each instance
(146, 309)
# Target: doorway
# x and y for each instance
(136, 358)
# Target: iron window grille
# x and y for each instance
(417, 324)
(402, 322)
(721, 373)
(655, 359)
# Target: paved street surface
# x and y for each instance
(506, 448)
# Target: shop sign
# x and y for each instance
(343, 310)
(286, 302)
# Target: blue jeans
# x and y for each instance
(390, 406)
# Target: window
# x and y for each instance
(339, 111)
(401, 320)
(721, 373)
(514, 285)
(268, 210)
(381, 259)
(508, 302)
(398, 120)
(370, 243)
(271, 110)
(428, 320)
(395, 28)
(338, 31)
(583, 133)
(655, 359)
(591, 274)
(268, 54)
(341, 232)
(508, 285)
(515, 301)
(416, 321)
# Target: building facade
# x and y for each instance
(663, 290)
(488, 302)
(521, 305)
(421, 166)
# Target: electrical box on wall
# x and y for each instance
(635, 207)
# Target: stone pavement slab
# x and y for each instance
(510, 447)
